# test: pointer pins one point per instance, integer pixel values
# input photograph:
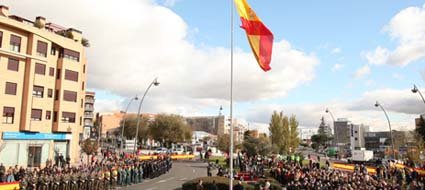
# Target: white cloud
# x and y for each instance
(402, 107)
(170, 3)
(362, 72)
(408, 28)
(377, 57)
(337, 67)
(136, 40)
(336, 50)
(397, 76)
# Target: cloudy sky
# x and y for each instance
(341, 55)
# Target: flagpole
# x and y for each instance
(231, 95)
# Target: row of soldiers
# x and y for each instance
(105, 176)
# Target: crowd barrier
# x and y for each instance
(174, 157)
(372, 170)
(9, 186)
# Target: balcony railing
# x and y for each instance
(88, 115)
(90, 100)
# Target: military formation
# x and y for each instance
(107, 174)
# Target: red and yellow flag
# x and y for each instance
(259, 36)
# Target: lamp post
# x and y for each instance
(123, 122)
(333, 118)
(416, 90)
(377, 104)
(156, 83)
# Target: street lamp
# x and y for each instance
(156, 83)
(330, 113)
(377, 104)
(123, 123)
(416, 90)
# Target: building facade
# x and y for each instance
(211, 124)
(358, 136)
(88, 114)
(42, 89)
(342, 130)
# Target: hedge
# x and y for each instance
(223, 184)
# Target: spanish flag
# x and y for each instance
(259, 36)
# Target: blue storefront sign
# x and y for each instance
(35, 136)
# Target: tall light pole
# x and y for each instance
(377, 104)
(123, 122)
(156, 83)
(333, 118)
(416, 90)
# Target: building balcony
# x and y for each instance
(89, 100)
(89, 108)
(88, 115)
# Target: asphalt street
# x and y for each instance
(181, 172)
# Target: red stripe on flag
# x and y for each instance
(255, 27)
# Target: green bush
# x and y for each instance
(221, 182)
(274, 184)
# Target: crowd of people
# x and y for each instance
(112, 171)
(293, 175)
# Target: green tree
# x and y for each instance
(89, 146)
(276, 130)
(286, 135)
(420, 130)
(293, 139)
(256, 146)
(170, 129)
(130, 128)
(223, 143)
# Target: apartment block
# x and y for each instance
(42, 90)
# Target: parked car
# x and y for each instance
(178, 151)
(161, 150)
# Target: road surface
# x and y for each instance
(181, 172)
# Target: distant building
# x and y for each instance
(88, 114)
(380, 142)
(110, 123)
(358, 136)
(342, 129)
(217, 125)
(305, 133)
(200, 136)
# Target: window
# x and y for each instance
(84, 68)
(355, 131)
(58, 73)
(36, 114)
(15, 43)
(82, 86)
(48, 115)
(8, 115)
(40, 69)
(71, 55)
(51, 71)
(69, 96)
(356, 139)
(68, 117)
(56, 94)
(49, 93)
(53, 51)
(13, 64)
(81, 120)
(1, 38)
(10, 88)
(82, 103)
(55, 116)
(38, 91)
(71, 75)
(41, 49)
